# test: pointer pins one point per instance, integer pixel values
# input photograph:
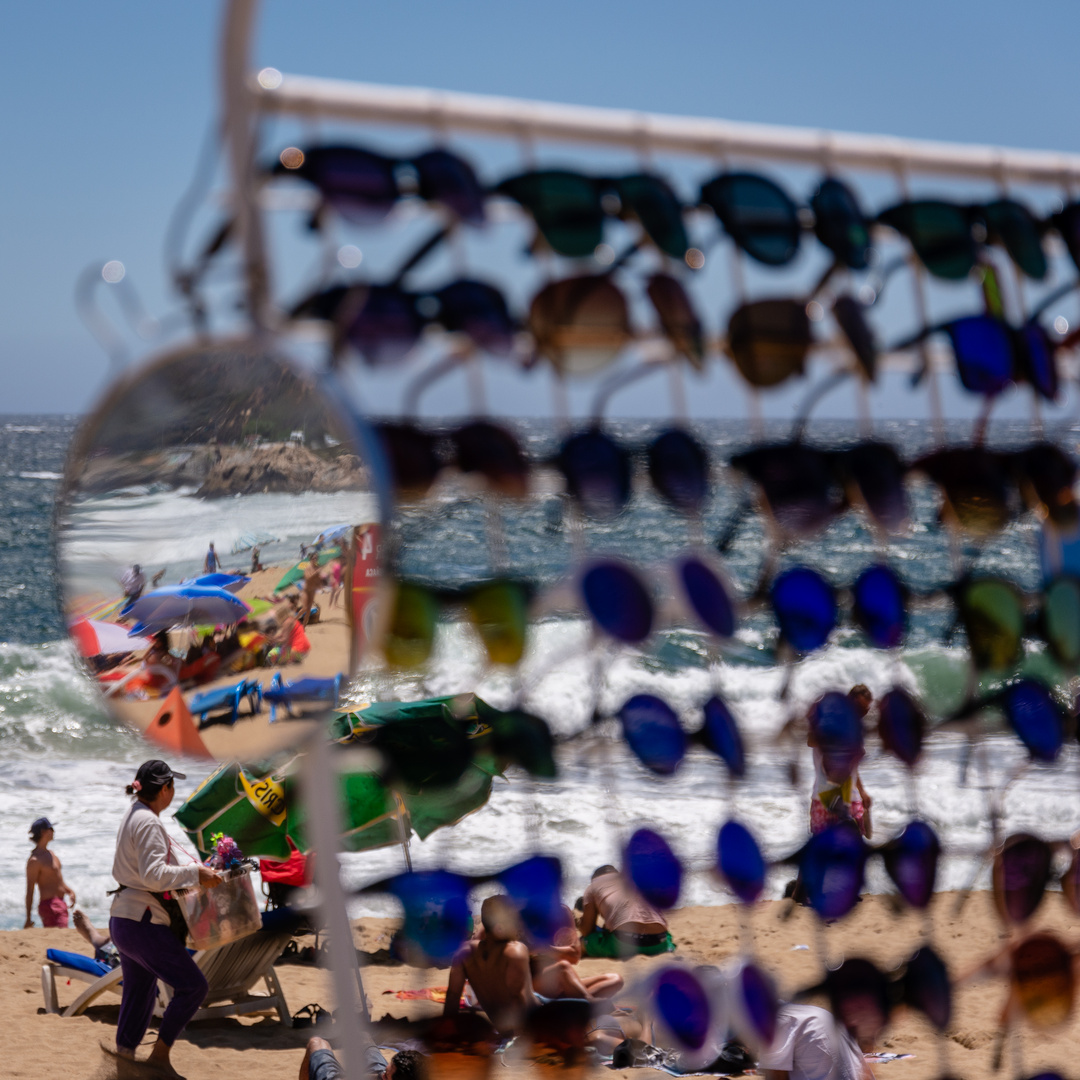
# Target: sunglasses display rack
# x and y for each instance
(758, 544)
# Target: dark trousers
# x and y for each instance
(147, 953)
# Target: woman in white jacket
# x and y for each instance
(147, 865)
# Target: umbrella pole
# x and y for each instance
(403, 832)
(322, 798)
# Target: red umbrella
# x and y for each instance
(96, 638)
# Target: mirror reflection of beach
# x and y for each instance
(205, 547)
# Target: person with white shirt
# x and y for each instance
(146, 866)
(811, 1045)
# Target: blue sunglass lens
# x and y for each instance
(534, 887)
(879, 606)
(836, 728)
(927, 987)
(721, 734)
(597, 472)
(911, 861)
(805, 608)
(683, 1006)
(760, 1002)
(707, 596)
(740, 862)
(901, 725)
(449, 179)
(436, 911)
(653, 868)
(984, 354)
(1035, 717)
(1039, 362)
(618, 602)
(679, 470)
(478, 310)
(386, 326)
(832, 865)
(653, 733)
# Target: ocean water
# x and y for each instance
(62, 757)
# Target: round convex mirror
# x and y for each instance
(218, 536)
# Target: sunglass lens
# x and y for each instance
(653, 868)
(437, 913)
(840, 223)
(357, 183)
(424, 754)
(1061, 620)
(655, 205)
(760, 1003)
(679, 470)
(757, 214)
(832, 865)
(678, 320)
(479, 311)
(533, 887)
(797, 483)
(683, 1007)
(411, 455)
(618, 601)
(1036, 718)
(410, 633)
(1038, 364)
(500, 612)
(984, 354)
(876, 474)
(579, 324)
(740, 862)
(1010, 224)
(565, 206)
(383, 325)
(901, 725)
(939, 232)
(597, 472)
(805, 608)
(493, 452)
(1046, 477)
(524, 740)
(1044, 980)
(721, 734)
(879, 606)
(836, 728)
(859, 995)
(1020, 875)
(911, 861)
(975, 486)
(653, 733)
(994, 621)
(446, 178)
(769, 340)
(927, 987)
(1067, 223)
(707, 595)
(848, 312)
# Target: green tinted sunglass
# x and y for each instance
(498, 609)
(946, 236)
(569, 208)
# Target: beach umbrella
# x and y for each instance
(184, 605)
(229, 582)
(97, 638)
(328, 536)
(299, 571)
(252, 539)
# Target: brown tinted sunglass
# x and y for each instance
(1043, 980)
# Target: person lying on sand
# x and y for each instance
(496, 967)
(630, 924)
(43, 872)
(320, 1062)
(553, 968)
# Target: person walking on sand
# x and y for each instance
(211, 564)
(146, 866)
(43, 872)
(834, 800)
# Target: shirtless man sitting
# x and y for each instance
(553, 968)
(496, 967)
(631, 925)
(43, 872)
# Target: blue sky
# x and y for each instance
(106, 104)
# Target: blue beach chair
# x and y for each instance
(310, 689)
(228, 698)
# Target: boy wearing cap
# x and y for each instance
(43, 872)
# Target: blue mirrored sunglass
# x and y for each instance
(879, 606)
(653, 732)
(682, 1005)
(618, 601)
(653, 868)
(740, 862)
(804, 604)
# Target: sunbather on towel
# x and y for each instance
(554, 968)
(496, 967)
(630, 924)
(44, 873)
(320, 1063)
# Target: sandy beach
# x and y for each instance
(261, 1046)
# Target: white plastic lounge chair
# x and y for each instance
(232, 971)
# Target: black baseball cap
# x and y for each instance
(156, 773)
(40, 826)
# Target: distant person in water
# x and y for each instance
(631, 924)
(43, 872)
(211, 564)
(133, 582)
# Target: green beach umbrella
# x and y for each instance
(298, 572)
